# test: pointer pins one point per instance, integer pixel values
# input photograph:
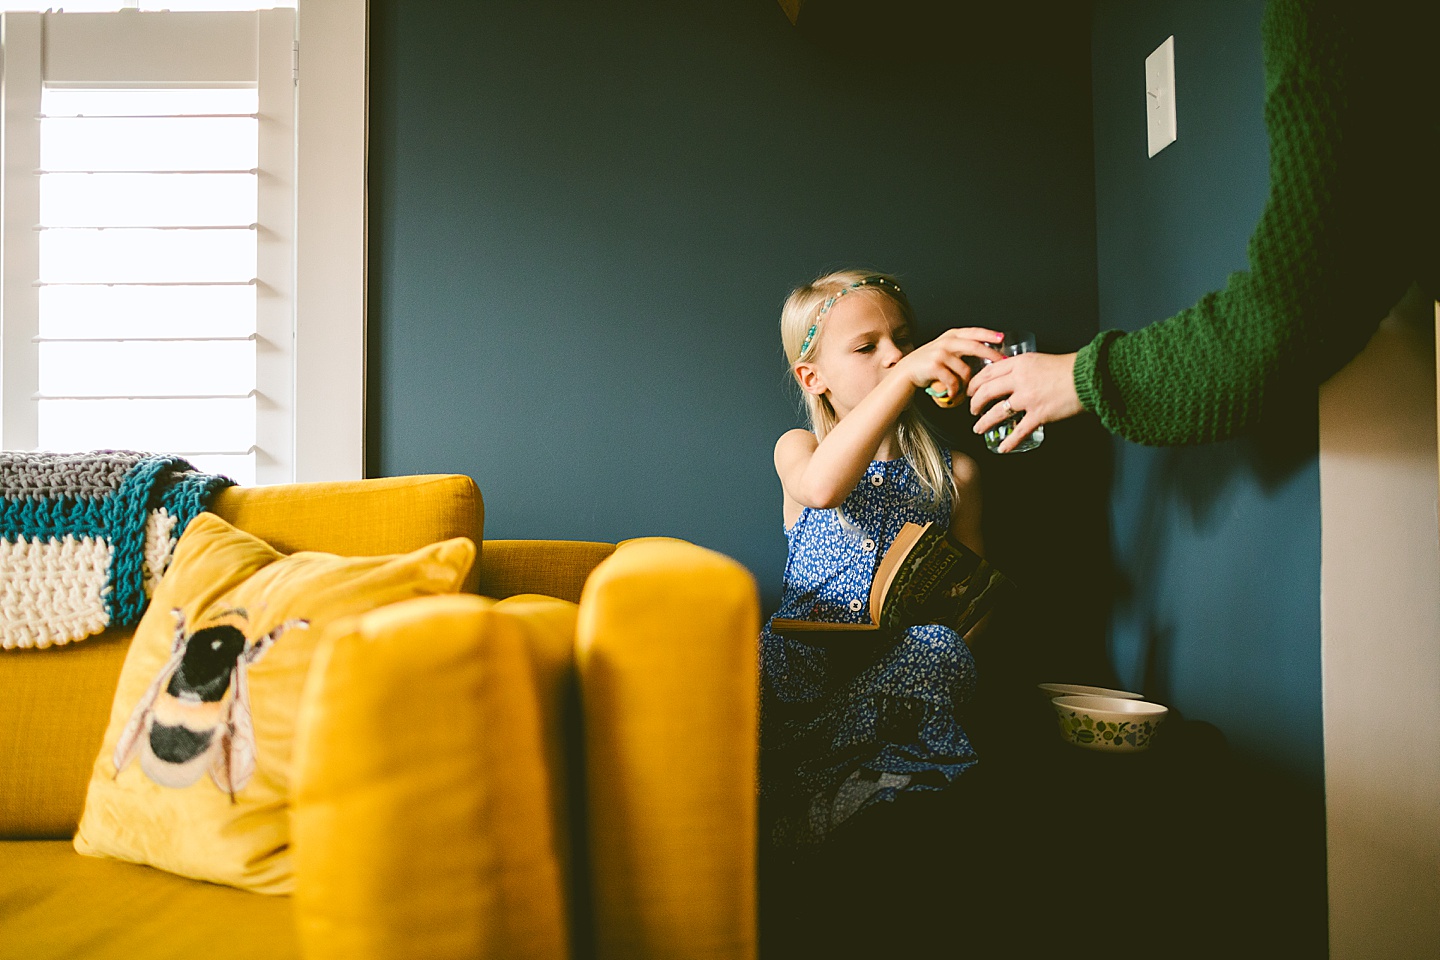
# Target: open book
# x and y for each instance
(927, 576)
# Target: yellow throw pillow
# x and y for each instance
(194, 772)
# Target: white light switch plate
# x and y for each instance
(1160, 96)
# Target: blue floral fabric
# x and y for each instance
(844, 727)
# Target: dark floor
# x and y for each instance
(1046, 850)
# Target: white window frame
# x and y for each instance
(331, 238)
(324, 312)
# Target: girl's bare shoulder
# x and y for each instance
(964, 469)
(793, 442)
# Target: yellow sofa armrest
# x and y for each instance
(424, 810)
(667, 650)
(555, 568)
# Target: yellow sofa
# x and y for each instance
(615, 687)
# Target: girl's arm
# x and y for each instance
(965, 515)
(821, 474)
(965, 519)
(791, 445)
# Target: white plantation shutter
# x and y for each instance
(149, 224)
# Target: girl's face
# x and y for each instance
(861, 338)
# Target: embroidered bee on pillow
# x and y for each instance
(194, 718)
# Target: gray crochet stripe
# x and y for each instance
(94, 474)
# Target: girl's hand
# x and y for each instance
(941, 362)
(1040, 384)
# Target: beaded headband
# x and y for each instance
(873, 279)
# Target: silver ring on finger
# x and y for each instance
(1008, 409)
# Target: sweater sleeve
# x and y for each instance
(1323, 263)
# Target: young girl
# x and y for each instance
(844, 731)
(852, 731)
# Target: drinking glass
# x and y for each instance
(1016, 342)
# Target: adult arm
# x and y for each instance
(1327, 258)
(1335, 247)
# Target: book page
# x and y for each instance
(890, 564)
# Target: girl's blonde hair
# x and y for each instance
(802, 323)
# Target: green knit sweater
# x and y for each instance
(1351, 220)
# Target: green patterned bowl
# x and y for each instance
(1108, 723)
(1052, 690)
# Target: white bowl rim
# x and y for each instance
(1136, 709)
(1085, 690)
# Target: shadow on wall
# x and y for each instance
(1177, 549)
(1200, 482)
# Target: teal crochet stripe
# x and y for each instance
(51, 518)
(148, 486)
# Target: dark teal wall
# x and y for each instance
(584, 218)
(1217, 549)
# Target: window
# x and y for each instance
(152, 244)
(148, 282)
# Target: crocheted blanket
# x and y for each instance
(84, 538)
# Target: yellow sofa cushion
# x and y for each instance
(193, 773)
(428, 814)
(54, 704)
(55, 905)
(355, 518)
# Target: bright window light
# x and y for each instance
(147, 200)
(126, 369)
(188, 427)
(148, 259)
(89, 312)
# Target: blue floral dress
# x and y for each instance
(846, 727)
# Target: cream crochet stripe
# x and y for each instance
(52, 591)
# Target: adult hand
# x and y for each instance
(1042, 385)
